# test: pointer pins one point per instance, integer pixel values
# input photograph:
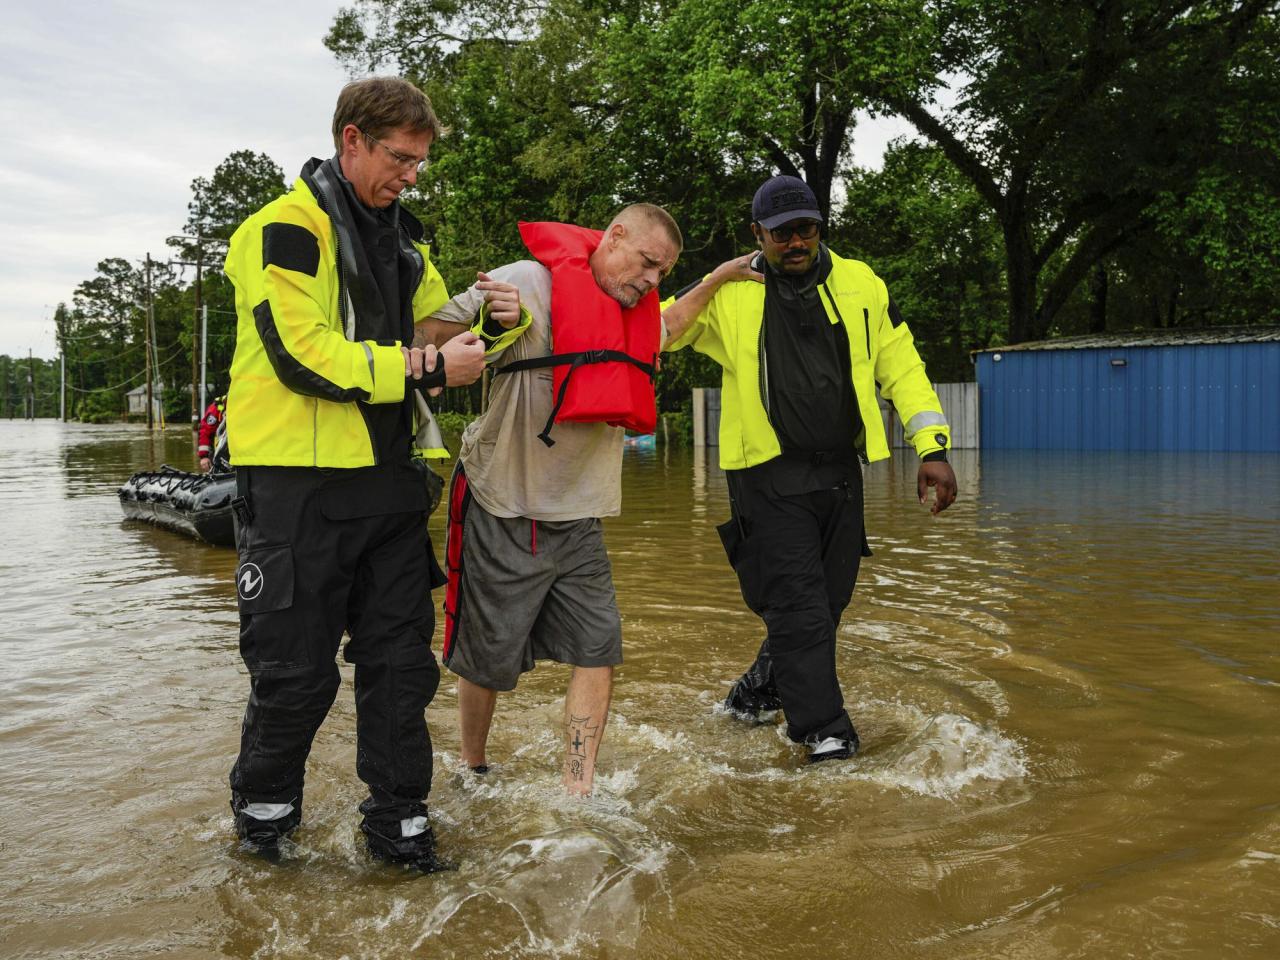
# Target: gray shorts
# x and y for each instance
(524, 590)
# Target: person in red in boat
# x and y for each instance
(529, 577)
(209, 424)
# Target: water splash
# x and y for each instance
(948, 753)
(576, 886)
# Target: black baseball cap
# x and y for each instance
(782, 199)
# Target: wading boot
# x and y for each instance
(831, 748)
(752, 703)
(261, 826)
(409, 842)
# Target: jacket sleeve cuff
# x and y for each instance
(387, 369)
(938, 456)
(496, 337)
(931, 440)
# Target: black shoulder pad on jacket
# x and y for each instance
(290, 247)
(895, 315)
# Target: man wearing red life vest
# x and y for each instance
(529, 577)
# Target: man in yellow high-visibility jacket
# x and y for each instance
(803, 337)
(326, 394)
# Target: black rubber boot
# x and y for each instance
(263, 836)
(385, 843)
(748, 699)
(756, 691)
(832, 748)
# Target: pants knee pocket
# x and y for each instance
(264, 579)
(743, 553)
(272, 641)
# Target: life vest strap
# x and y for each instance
(574, 361)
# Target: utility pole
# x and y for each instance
(147, 345)
(62, 388)
(204, 358)
(197, 409)
(202, 317)
(31, 386)
(155, 361)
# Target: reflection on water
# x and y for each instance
(1067, 689)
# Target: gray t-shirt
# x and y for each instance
(510, 471)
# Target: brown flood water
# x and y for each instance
(1068, 689)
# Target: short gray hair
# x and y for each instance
(652, 215)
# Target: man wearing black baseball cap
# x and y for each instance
(804, 336)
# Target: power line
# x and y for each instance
(173, 356)
(86, 336)
(127, 350)
(114, 386)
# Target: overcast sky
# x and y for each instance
(114, 108)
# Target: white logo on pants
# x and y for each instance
(249, 581)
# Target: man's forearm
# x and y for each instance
(684, 311)
(436, 332)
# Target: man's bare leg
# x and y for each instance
(586, 708)
(475, 714)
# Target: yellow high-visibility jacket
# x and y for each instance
(730, 331)
(297, 379)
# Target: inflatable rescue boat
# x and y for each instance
(197, 504)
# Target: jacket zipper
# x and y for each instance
(866, 326)
(763, 377)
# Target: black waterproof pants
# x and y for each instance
(797, 558)
(319, 555)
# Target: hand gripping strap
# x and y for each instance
(432, 379)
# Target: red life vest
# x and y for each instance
(605, 354)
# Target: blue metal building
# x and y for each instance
(1216, 389)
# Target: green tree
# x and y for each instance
(28, 386)
(111, 358)
(1071, 121)
(937, 247)
(108, 325)
(554, 116)
(240, 184)
(1074, 121)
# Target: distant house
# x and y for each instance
(137, 398)
(1215, 389)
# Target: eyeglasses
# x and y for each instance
(807, 230)
(403, 162)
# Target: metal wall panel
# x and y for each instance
(959, 403)
(1203, 397)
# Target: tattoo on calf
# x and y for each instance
(579, 735)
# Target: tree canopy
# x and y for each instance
(1076, 167)
(1084, 131)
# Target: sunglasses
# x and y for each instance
(805, 229)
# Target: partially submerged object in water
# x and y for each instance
(196, 504)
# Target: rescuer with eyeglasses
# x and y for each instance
(328, 425)
(804, 337)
